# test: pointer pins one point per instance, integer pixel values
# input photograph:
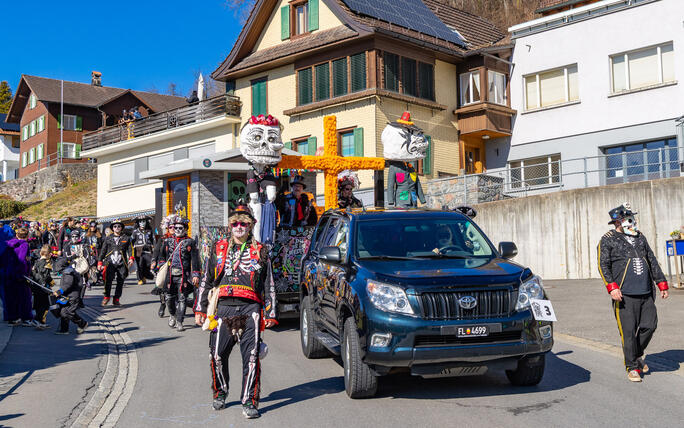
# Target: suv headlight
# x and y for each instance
(388, 298)
(530, 289)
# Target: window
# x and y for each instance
(322, 81)
(259, 105)
(24, 159)
(497, 87)
(202, 150)
(350, 142)
(299, 17)
(347, 143)
(470, 87)
(305, 84)
(159, 161)
(358, 72)
(32, 155)
(32, 128)
(551, 88)
(41, 151)
(642, 68)
(41, 123)
(339, 82)
(32, 102)
(70, 150)
(426, 81)
(409, 76)
(123, 174)
(535, 171)
(301, 146)
(25, 133)
(642, 161)
(70, 122)
(302, 18)
(391, 71)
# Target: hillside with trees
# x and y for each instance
(502, 13)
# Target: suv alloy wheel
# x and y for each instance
(528, 373)
(359, 380)
(311, 347)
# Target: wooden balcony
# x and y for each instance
(223, 105)
(483, 118)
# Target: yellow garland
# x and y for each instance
(331, 163)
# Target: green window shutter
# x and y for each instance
(23, 160)
(288, 145)
(313, 15)
(311, 142)
(59, 150)
(358, 141)
(284, 22)
(391, 71)
(427, 162)
(79, 123)
(259, 98)
(358, 72)
(305, 86)
(322, 81)
(78, 151)
(339, 77)
(59, 121)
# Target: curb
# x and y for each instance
(659, 363)
(117, 383)
(5, 335)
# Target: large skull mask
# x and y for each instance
(403, 142)
(260, 141)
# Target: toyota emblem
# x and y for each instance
(467, 302)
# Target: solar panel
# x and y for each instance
(410, 14)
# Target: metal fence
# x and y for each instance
(551, 173)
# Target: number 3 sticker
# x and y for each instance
(542, 310)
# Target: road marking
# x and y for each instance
(118, 381)
(659, 363)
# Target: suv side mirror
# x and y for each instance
(330, 254)
(508, 250)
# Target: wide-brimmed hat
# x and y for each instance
(92, 223)
(298, 179)
(116, 221)
(243, 209)
(180, 220)
(618, 213)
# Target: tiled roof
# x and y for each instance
(477, 31)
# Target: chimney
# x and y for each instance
(96, 78)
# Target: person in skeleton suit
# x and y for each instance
(114, 261)
(74, 249)
(93, 240)
(142, 241)
(51, 238)
(181, 252)
(165, 226)
(404, 143)
(238, 299)
(261, 145)
(630, 270)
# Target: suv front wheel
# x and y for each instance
(359, 380)
(528, 373)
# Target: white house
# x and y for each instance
(597, 93)
(9, 150)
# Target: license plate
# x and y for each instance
(289, 307)
(458, 371)
(473, 331)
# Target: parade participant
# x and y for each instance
(164, 226)
(77, 254)
(51, 238)
(347, 181)
(17, 296)
(183, 272)
(70, 293)
(42, 274)
(35, 238)
(629, 269)
(403, 144)
(237, 288)
(93, 240)
(114, 254)
(142, 240)
(65, 232)
(261, 145)
(295, 208)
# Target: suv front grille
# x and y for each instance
(437, 340)
(495, 303)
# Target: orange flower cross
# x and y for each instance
(331, 163)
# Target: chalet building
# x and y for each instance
(366, 64)
(54, 114)
(606, 114)
(9, 149)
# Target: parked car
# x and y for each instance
(419, 291)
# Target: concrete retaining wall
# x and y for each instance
(557, 233)
(44, 183)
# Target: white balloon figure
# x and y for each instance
(261, 145)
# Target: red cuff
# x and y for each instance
(99, 264)
(612, 286)
(130, 259)
(272, 319)
(201, 313)
(663, 286)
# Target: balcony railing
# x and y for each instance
(211, 108)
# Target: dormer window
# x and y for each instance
(297, 18)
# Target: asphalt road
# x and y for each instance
(581, 387)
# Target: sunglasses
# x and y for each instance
(116, 226)
(239, 223)
(178, 228)
(346, 189)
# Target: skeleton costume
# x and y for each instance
(181, 252)
(403, 144)
(142, 241)
(115, 255)
(70, 293)
(261, 145)
(73, 250)
(348, 178)
(237, 293)
(627, 263)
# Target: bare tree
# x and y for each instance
(172, 89)
(502, 13)
(240, 8)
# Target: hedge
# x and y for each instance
(9, 208)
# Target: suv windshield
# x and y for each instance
(423, 237)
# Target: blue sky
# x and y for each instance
(139, 44)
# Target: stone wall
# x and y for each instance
(44, 183)
(212, 198)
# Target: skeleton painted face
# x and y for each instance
(403, 143)
(141, 224)
(629, 225)
(261, 144)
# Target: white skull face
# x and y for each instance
(629, 225)
(403, 143)
(261, 144)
